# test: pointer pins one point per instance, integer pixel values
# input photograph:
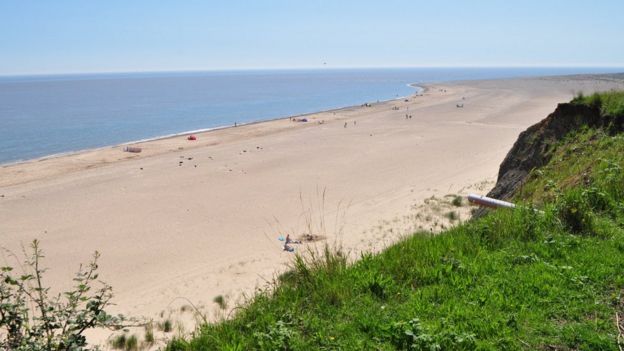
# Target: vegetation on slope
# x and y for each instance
(609, 103)
(515, 279)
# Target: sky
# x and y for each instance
(62, 36)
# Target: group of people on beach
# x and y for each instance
(287, 241)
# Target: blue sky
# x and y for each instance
(118, 36)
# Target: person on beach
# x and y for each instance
(286, 242)
(289, 240)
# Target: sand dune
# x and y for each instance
(201, 219)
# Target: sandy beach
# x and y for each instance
(198, 219)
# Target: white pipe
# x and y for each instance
(489, 202)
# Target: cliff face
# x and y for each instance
(534, 146)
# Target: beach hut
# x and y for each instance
(132, 149)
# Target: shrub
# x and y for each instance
(595, 101)
(31, 319)
(277, 337)
(220, 300)
(412, 335)
(579, 98)
(575, 212)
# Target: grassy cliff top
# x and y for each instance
(610, 103)
(514, 279)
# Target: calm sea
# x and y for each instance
(45, 115)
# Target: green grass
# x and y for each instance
(126, 343)
(610, 103)
(577, 161)
(512, 280)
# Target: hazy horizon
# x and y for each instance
(277, 69)
(74, 37)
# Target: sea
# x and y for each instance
(56, 114)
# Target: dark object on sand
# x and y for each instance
(132, 149)
(191, 137)
(311, 237)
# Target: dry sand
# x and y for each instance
(209, 225)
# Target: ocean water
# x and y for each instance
(45, 115)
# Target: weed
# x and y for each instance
(119, 342)
(575, 212)
(132, 343)
(165, 326)
(411, 335)
(277, 337)
(457, 201)
(220, 300)
(149, 333)
(126, 343)
(452, 216)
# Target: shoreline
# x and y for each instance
(420, 89)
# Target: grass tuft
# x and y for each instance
(126, 343)
(457, 201)
(165, 326)
(149, 333)
(220, 300)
